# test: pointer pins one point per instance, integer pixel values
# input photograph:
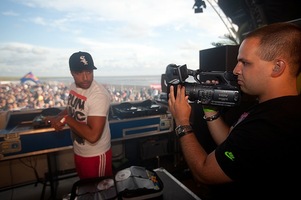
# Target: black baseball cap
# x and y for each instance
(80, 61)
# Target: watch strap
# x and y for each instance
(182, 130)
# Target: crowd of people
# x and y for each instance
(20, 96)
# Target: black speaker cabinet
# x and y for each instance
(223, 58)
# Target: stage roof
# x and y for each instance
(250, 14)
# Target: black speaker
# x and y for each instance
(223, 58)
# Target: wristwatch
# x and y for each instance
(182, 130)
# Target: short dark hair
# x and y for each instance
(280, 40)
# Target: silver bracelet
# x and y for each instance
(213, 117)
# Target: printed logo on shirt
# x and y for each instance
(230, 155)
(76, 106)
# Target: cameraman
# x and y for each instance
(259, 156)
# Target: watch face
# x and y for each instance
(183, 130)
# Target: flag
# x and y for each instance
(30, 77)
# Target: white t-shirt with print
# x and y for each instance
(94, 101)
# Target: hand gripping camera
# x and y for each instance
(226, 93)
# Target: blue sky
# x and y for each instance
(129, 37)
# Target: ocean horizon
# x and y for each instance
(115, 80)
(150, 80)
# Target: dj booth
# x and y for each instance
(26, 134)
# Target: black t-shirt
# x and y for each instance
(262, 154)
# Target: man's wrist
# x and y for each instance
(212, 117)
(182, 130)
(210, 113)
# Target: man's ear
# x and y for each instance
(278, 68)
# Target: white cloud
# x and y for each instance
(132, 37)
(10, 13)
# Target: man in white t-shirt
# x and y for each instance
(87, 116)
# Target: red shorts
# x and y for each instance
(97, 166)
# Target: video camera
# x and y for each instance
(226, 93)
